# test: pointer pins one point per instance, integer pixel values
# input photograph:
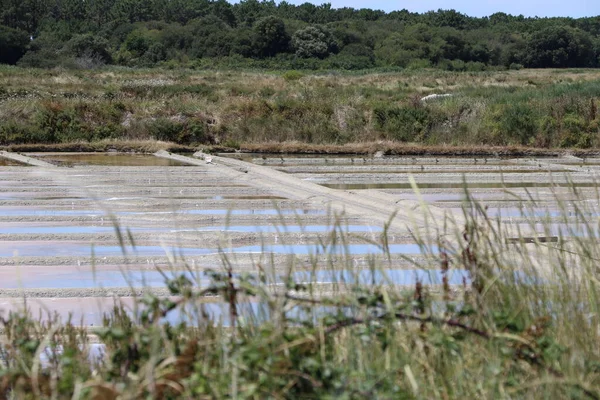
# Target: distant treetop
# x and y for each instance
(254, 33)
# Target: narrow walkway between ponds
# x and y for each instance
(376, 206)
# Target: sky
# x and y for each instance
(478, 8)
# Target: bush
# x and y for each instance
(458, 65)
(514, 123)
(291, 76)
(418, 63)
(515, 66)
(43, 58)
(347, 62)
(156, 53)
(89, 47)
(44, 52)
(475, 66)
(405, 123)
(188, 132)
(13, 132)
(60, 123)
(164, 129)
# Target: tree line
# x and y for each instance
(255, 33)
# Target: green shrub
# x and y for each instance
(575, 132)
(42, 58)
(13, 132)
(196, 132)
(514, 123)
(475, 66)
(458, 65)
(60, 123)
(102, 132)
(515, 67)
(188, 132)
(405, 123)
(345, 62)
(291, 76)
(418, 63)
(164, 129)
(90, 47)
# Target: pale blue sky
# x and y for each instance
(478, 8)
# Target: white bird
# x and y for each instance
(208, 159)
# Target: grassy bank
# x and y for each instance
(531, 108)
(523, 325)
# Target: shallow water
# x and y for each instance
(284, 229)
(418, 172)
(457, 185)
(71, 229)
(514, 212)
(33, 196)
(65, 249)
(110, 159)
(266, 211)
(6, 196)
(111, 279)
(14, 211)
(55, 229)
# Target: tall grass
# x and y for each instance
(523, 324)
(547, 109)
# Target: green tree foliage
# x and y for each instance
(13, 44)
(355, 56)
(314, 41)
(417, 42)
(560, 46)
(271, 37)
(212, 37)
(44, 52)
(266, 33)
(88, 45)
(223, 10)
(25, 15)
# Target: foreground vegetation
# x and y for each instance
(538, 108)
(524, 324)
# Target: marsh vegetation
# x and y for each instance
(535, 108)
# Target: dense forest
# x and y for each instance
(253, 33)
